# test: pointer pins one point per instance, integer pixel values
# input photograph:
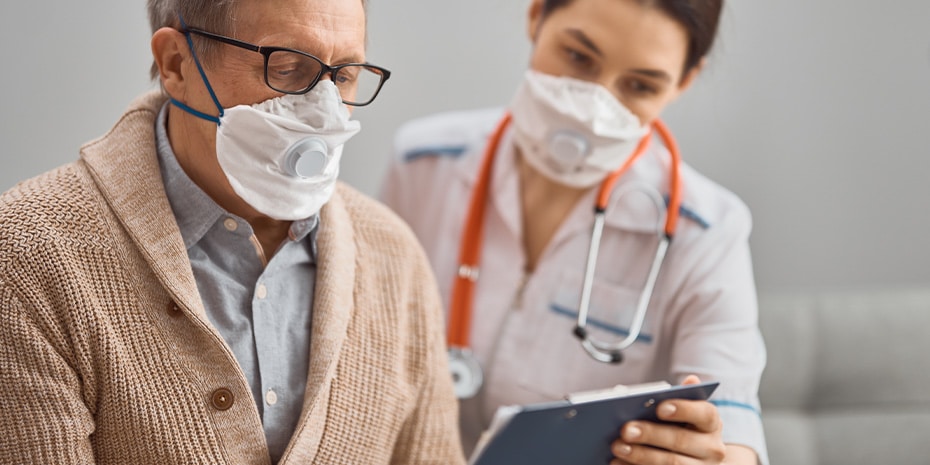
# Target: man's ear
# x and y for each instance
(169, 49)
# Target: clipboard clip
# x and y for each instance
(619, 390)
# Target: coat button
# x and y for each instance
(174, 309)
(222, 399)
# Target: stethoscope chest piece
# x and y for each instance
(467, 376)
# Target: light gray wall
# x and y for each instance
(69, 70)
(816, 112)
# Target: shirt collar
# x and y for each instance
(308, 227)
(194, 210)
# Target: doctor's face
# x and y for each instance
(635, 51)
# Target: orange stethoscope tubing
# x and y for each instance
(463, 288)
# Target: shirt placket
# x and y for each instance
(278, 366)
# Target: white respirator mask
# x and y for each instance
(572, 131)
(282, 155)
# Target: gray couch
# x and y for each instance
(848, 377)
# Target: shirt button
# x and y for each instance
(261, 292)
(271, 397)
(222, 399)
(231, 224)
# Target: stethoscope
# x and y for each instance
(466, 371)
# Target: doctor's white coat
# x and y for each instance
(703, 315)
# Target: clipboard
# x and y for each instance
(578, 430)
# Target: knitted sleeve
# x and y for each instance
(43, 416)
(425, 438)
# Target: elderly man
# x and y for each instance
(181, 294)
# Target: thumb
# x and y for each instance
(691, 379)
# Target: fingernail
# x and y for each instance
(633, 432)
(667, 409)
(623, 449)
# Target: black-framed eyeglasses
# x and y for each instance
(291, 71)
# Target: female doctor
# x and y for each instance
(575, 251)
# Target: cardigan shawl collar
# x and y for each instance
(124, 165)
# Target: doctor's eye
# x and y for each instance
(579, 60)
(638, 87)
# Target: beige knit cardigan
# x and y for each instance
(107, 356)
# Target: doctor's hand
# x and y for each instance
(699, 442)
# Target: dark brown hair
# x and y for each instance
(699, 17)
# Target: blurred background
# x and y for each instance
(817, 114)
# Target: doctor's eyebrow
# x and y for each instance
(581, 37)
(653, 73)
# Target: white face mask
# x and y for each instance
(282, 155)
(571, 131)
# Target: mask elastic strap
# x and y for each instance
(203, 75)
(196, 113)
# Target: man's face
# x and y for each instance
(331, 30)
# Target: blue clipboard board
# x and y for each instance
(566, 433)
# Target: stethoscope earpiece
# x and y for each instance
(607, 356)
(612, 352)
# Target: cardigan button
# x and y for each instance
(174, 309)
(222, 399)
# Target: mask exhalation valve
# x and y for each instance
(307, 158)
(568, 148)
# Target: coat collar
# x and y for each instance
(636, 204)
(468, 163)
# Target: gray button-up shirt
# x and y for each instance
(261, 308)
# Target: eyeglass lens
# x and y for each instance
(292, 72)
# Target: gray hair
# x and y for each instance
(211, 15)
(216, 16)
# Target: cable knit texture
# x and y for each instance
(107, 356)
